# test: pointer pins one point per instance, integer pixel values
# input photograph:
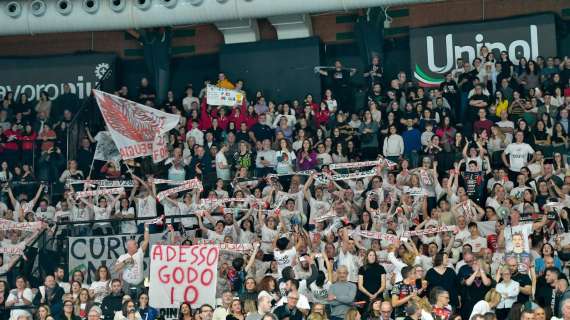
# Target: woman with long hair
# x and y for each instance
(352, 314)
(443, 276)
(68, 312)
(374, 311)
(546, 251)
(559, 138)
(492, 299)
(249, 290)
(268, 285)
(185, 311)
(541, 137)
(501, 103)
(235, 311)
(43, 312)
(560, 167)
(100, 288)
(371, 278)
(145, 311)
(82, 304)
(368, 136)
(306, 157)
(128, 312)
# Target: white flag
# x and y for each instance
(133, 126)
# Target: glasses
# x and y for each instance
(293, 298)
(207, 311)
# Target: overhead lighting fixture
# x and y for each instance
(13, 9)
(38, 8)
(143, 4)
(117, 5)
(64, 7)
(91, 6)
(168, 3)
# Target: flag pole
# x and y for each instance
(91, 167)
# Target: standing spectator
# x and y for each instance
(341, 294)
(518, 153)
(131, 265)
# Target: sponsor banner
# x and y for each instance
(34, 75)
(86, 254)
(183, 274)
(435, 50)
(223, 97)
(134, 127)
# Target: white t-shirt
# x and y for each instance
(518, 155)
(146, 207)
(133, 274)
(19, 302)
(186, 210)
(476, 244)
(100, 289)
(223, 174)
(100, 213)
(284, 258)
(217, 238)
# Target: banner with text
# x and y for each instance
(86, 254)
(183, 274)
(223, 97)
(136, 129)
(435, 50)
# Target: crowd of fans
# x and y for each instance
(486, 154)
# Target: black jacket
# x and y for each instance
(111, 304)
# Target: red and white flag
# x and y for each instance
(137, 130)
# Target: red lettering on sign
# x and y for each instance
(194, 293)
(212, 256)
(178, 275)
(164, 278)
(170, 253)
(210, 277)
(157, 253)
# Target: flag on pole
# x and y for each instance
(137, 130)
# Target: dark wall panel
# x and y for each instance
(282, 69)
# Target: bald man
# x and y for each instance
(341, 294)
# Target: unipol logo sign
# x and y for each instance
(435, 50)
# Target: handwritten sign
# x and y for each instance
(183, 273)
(223, 97)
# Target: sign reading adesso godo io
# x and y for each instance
(34, 75)
(434, 50)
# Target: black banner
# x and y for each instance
(34, 75)
(434, 50)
